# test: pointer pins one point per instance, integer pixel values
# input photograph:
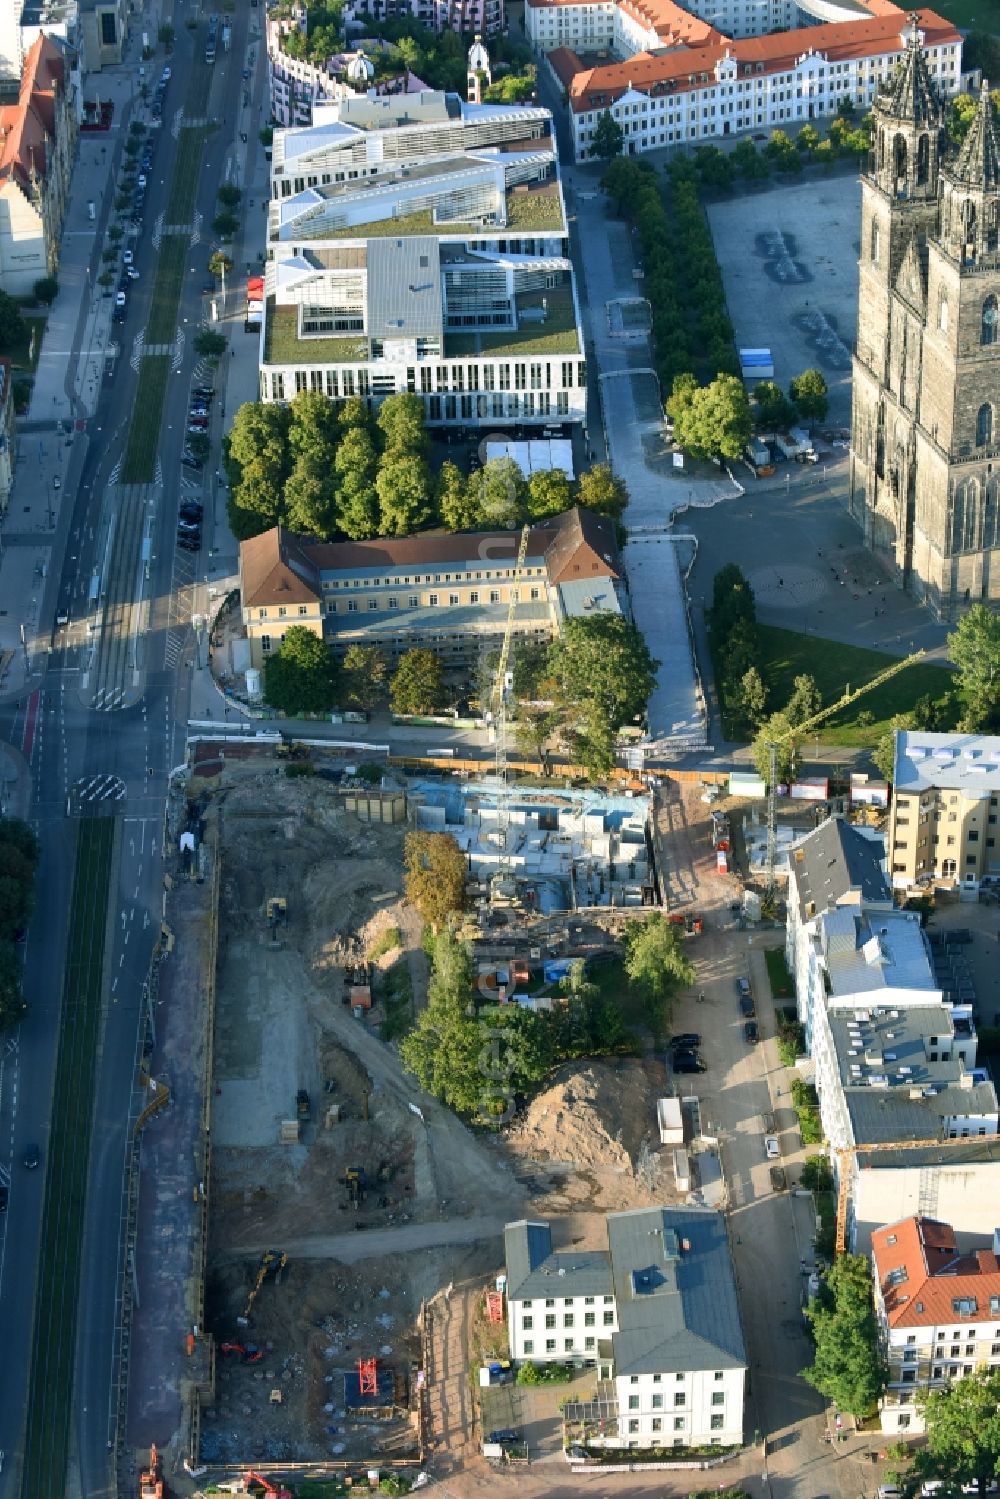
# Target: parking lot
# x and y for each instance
(789, 262)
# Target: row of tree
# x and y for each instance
(332, 471)
(806, 401)
(18, 868)
(573, 695)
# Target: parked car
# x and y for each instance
(189, 527)
(3, 1199)
(686, 1062)
(198, 409)
(189, 461)
(189, 543)
(197, 426)
(750, 1032)
(129, 255)
(191, 510)
(207, 391)
(32, 1156)
(133, 274)
(771, 1148)
(778, 1182)
(746, 1006)
(120, 299)
(685, 1040)
(504, 1435)
(743, 988)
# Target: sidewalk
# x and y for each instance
(53, 438)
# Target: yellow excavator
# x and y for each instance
(272, 1262)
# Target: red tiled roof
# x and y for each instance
(27, 125)
(691, 68)
(921, 1274)
(673, 24)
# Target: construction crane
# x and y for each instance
(498, 709)
(845, 1159)
(803, 728)
(272, 1262)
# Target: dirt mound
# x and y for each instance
(594, 1119)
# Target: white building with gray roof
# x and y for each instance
(656, 1315)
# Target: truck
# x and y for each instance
(796, 443)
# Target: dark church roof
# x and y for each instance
(978, 163)
(911, 94)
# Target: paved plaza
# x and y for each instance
(789, 262)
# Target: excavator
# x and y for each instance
(249, 1354)
(356, 1183)
(151, 1478)
(269, 1488)
(272, 1262)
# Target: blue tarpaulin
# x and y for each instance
(556, 969)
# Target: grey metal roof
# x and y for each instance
(675, 1292)
(959, 762)
(534, 1271)
(976, 1151)
(831, 861)
(404, 288)
(881, 1115)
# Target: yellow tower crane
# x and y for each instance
(502, 685)
(802, 728)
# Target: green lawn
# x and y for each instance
(784, 655)
(139, 464)
(24, 354)
(170, 265)
(184, 183)
(778, 975)
(50, 1402)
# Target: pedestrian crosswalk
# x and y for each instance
(178, 355)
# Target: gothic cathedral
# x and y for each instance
(925, 439)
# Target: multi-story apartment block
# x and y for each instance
(836, 866)
(448, 593)
(37, 140)
(656, 1314)
(467, 17)
(938, 1311)
(420, 244)
(681, 82)
(946, 799)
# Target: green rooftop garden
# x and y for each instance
(282, 344)
(556, 335)
(538, 211)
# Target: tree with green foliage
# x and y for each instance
(752, 695)
(809, 393)
(225, 224)
(682, 394)
(435, 875)
(807, 140)
(417, 684)
(848, 1367)
(749, 162)
(301, 677)
(884, 753)
(365, 670)
(46, 289)
(228, 194)
(12, 1005)
(209, 344)
(602, 660)
(805, 701)
(715, 422)
(609, 138)
(601, 490)
(657, 964)
(498, 492)
(442, 1050)
(310, 498)
(963, 1434)
(403, 486)
(777, 730)
(13, 329)
(219, 263)
(974, 647)
(457, 507)
(548, 493)
(257, 463)
(772, 409)
(513, 88)
(401, 422)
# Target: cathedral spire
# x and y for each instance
(978, 163)
(911, 94)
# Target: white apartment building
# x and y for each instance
(938, 1311)
(835, 866)
(696, 85)
(943, 821)
(420, 244)
(656, 1315)
(468, 17)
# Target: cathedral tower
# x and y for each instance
(926, 379)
